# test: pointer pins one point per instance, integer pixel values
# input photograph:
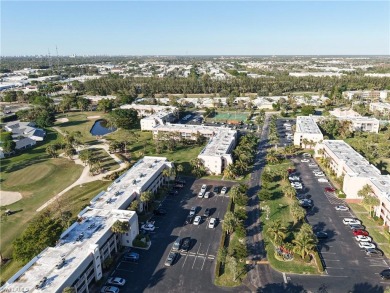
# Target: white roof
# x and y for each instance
(306, 124)
(357, 165)
(95, 224)
(219, 144)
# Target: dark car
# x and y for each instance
(180, 181)
(173, 192)
(357, 227)
(189, 220)
(322, 235)
(185, 246)
(160, 212)
(132, 257)
(373, 252)
(216, 189)
(206, 213)
(385, 274)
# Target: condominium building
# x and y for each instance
(147, 110)
(366, 124)
(357, 172)
(217, 154)
(186, 131)
(159, 118)
(307, 129)
(366, 94)
(383, 108)
(76, 260)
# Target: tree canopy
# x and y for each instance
(124, 118)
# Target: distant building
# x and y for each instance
(147, 110)
(316, 74)
(307, 129)
(357, 172)
(383, 108)
(77, 259)
(25, 134)
(379, 95)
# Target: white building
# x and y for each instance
(381, 95)
(161, 117)
(306, 128)
(96, 99)
(358, 122)
(383, 108)
(76, 261)
(357, 172)
(147, 110)
(217, 154)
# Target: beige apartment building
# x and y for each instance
(307, 128)
(357, 172)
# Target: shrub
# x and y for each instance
(108, 262)
(139, 243)
(264, 195)
(341, 195)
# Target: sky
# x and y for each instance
(195, 28)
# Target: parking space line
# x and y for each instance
(200, 244)
(184, 261)
(204, 259)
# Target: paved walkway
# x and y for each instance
(85, 176)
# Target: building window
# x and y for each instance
(127, 241)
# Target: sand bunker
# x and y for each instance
(62, 120)
(9, 197)
(93, 117)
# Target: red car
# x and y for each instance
(330, 189)
(360, 232)
(290, 171)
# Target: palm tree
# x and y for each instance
(369, 197)
(146, 197)
(272, 157)
(51, 150)
(85, 156)
(120, 227)
(69, 151)
(166, 173)
(304, 245)
(305, 142)
(297, 212)
(289, 191)
(230, 221)
(230, 172)
(277, 232)
(179, 169)
(69, 290)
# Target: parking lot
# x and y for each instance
(192, 271)
(341, 255)
(283, 130)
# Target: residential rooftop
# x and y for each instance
(189, 128)
(306, 124)
(219, 144)
(132, 181)
(357, 165)
(74, 247)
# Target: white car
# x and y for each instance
(323, 180)
(366, 245)
(305, 160)
(319, 174)
(306, 155)
(294, 178)
(116, 281)
(148, 227)
(223, 190)
(298, 184)
(200, 194)
(298, 187)
(351, 221)
(362, 238)
(203, 189)
(313, 165)
(341, 208)
(109, 289)
(212, 223)
(207, 194)
(197, 220)
(192, 211)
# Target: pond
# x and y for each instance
(100, 128)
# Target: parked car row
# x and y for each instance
(203, 193)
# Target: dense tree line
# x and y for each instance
(333, 86)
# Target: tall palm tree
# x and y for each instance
(166, 174)
(304, 245)
(272, 157)
(179, 169)
(230, 222)
(277, 232)
(297, 212)
(51, 150)
(146, 197)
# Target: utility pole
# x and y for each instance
(58, 59)
(49, 57)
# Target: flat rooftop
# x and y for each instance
(128, 183)
(306, 124)
(73, 246)
(155, 108)
(219, 144)
(189, 128)
(383, 105)
(358, 166)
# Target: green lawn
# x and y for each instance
(145, 147)
(105, 159)
(280, 211)
(78, 121)
(377, 231)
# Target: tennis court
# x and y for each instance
(230, 116)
